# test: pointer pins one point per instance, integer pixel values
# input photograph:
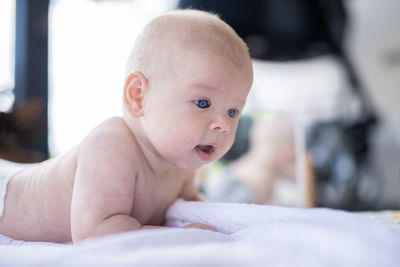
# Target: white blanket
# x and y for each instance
(250, 235)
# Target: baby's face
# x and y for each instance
(191, 113)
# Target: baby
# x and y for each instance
(187, 80)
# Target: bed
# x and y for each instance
(248, 235)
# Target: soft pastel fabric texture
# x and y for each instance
(250, 235)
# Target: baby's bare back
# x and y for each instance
(38, 201)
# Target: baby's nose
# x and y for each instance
(221, 124)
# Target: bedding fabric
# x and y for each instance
(249, 235)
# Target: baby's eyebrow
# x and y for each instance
(205, 86)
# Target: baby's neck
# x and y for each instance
(157, 164)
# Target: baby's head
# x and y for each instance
(187, 80)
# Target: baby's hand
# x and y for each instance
(201, 226)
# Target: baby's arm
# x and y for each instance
(189, 191)
(104, 187)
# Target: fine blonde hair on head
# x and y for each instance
(187, 28)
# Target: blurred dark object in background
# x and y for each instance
(20, 129)
(281, 29)
(31, 79)
(339, 155)
(242, 141)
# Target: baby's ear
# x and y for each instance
(133, 93)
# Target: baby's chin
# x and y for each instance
(191, 166)
(185, 164)
(196, 159)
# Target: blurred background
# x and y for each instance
(322, 123)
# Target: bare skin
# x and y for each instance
(51, 185)
(179, 114)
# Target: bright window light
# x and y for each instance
(89, 45)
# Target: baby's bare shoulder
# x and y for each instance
(108, 152)
(110, 137)
(112, 130)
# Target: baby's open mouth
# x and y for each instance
(205, 151)
(206, 148)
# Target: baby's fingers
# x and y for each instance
(201, 226)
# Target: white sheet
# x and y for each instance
(250, 235)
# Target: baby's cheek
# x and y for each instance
(227, 145)
(178, 139)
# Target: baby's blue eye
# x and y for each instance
(202, 103)
(231, 113)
